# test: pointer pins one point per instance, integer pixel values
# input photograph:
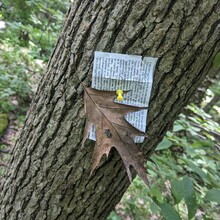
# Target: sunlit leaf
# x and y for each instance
(178, 127)
(155, 191)
(164, 144)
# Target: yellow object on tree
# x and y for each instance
(119, 94)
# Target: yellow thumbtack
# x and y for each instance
(119, 94)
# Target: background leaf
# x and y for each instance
(216, 62)
(213, 195)
(177, 190)
(168, 212)
(164, 144)
(189, 196)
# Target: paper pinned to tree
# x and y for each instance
(112, 71)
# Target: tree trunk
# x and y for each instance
(48, 175)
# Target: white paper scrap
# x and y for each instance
(112, 71)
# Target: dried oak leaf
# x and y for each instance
(112, 130)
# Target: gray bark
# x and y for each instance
(48, 175)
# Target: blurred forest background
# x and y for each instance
(184, 172)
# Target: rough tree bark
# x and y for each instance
(48, 175)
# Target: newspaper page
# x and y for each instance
(112, 71)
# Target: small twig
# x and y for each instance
(3, 165)
(32, 71)
(215, 133)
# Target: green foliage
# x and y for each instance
(14, 77)
(3, 123)
(114, 216)
(184, 189)
(28, 30)
(31, 28)
(213, 195)
(168, 212)
(215, 88)
(164, 144)
(33, 24)
(185, 181)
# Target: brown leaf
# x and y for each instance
(112, 130)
